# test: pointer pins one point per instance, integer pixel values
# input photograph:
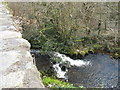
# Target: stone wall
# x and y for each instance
(16, 63)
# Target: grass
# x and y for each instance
(54, 83)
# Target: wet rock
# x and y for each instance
(54, 62)
(63, 68)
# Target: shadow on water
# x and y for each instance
(102, 70)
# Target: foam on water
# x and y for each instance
(72, 62)
(60, 73)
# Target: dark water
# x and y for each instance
(102, 71)
(42, 61)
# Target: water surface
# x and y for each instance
(102, 71)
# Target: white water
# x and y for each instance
(78, 63)
(60, 73)
(72, 62)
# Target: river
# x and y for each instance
(95, 70)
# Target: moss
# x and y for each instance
(83, 53)
(75, 52)
(54, 83)
(86, 51)
(116, 54)
(97, 46)
(118, 50)
(91, 50)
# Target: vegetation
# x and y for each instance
(75, 29)
(69, 27)
(54, 83)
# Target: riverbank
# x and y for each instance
(95, 49)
